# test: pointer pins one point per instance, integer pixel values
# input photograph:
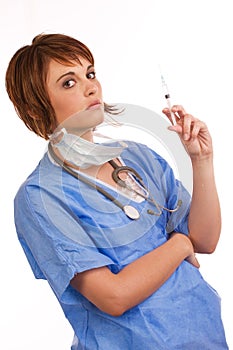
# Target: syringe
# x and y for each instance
(167, 97)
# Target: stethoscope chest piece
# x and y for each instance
(131, 212)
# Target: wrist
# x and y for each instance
(201, 160)
(203, 171)
(183, 244)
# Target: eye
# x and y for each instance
(69, 83)
(91, 75)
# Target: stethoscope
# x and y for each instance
(129, 210)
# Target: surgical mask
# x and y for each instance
(82, 153)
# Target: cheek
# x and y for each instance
(99, 89)
(62, 103)
(67, 106)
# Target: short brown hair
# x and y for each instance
(26, 78)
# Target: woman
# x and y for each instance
(123, 266)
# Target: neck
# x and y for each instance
(88, 136)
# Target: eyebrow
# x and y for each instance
(71, 73)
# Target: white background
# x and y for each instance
(192, 41)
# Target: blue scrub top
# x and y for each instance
(66, 227)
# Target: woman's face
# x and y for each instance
(74, 89)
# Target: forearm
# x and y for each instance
(147, 274)
(205, 216)
(116, 293)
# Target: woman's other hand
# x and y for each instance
(193, 133)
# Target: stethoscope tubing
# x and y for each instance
(83, 178)
(130, 211)
(118, 169)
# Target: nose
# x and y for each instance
(90, 88)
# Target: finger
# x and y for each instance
(172, 117)
(179, 110)
(193, 260)
(187, 126)
(196, 126)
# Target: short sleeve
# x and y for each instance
(51, 254)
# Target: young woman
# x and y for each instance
(117, 247)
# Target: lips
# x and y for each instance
(94, 105)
